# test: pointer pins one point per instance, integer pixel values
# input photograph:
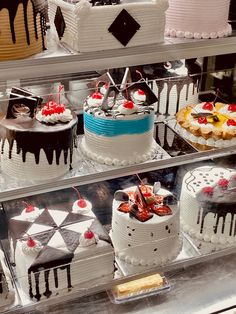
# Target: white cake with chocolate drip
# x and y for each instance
(58, 249)
(208, 204)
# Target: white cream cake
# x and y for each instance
(56, 250)
(145, 225)
(208, 204)
(85, 27)
(121, 131)
(198, 19)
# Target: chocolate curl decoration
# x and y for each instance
(125, 79)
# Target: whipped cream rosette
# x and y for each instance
(53, 113)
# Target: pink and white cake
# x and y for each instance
(56, 250)
(198, 19)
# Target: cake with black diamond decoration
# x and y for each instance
(100, 25)
(56, 250)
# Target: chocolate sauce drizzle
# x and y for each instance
(179, 83)
(220, 211)
(62, 141)
(12, 7)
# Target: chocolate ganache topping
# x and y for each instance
(38, 9)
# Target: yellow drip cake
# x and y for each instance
(22, 28)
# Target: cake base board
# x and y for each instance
(189, 250)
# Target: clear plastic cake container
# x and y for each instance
(120, 293)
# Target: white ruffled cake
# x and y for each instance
(198, 19)
(7, 294)
(85, 27)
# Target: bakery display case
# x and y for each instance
(85, 253)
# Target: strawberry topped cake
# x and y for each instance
(37, 143)
(145, 225)
(118, 125)
(210, 124)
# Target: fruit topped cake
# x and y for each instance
(112, 24)
(145, 225)
(119, 124)
(38, 140)
(211, 124)
(55, 250)
(208, 204)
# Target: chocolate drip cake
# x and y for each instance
(22, 29)
(208, 204)
(36, 144)
(56, 250)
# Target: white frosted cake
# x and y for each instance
(36, 146)
(85, 27)
(145, 225)
(56, 250)
(119, 132)
(208, 204)
(198, 19)
(7, 294)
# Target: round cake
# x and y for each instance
(39, 147)
(208, 204)
(119, 132)
(198, 19)
(145, 225)
(208, 124)
(24, 25)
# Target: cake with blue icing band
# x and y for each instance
(118, 126)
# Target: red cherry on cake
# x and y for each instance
(202, 120)
(29, 209)
(208, 190)
(231, 122)
(31, 242)
(128, 104)
(223, 183)
(88, 234)
(97, 95)
(232, 107)
(82, 203)
(141, 92)
(208, 106)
